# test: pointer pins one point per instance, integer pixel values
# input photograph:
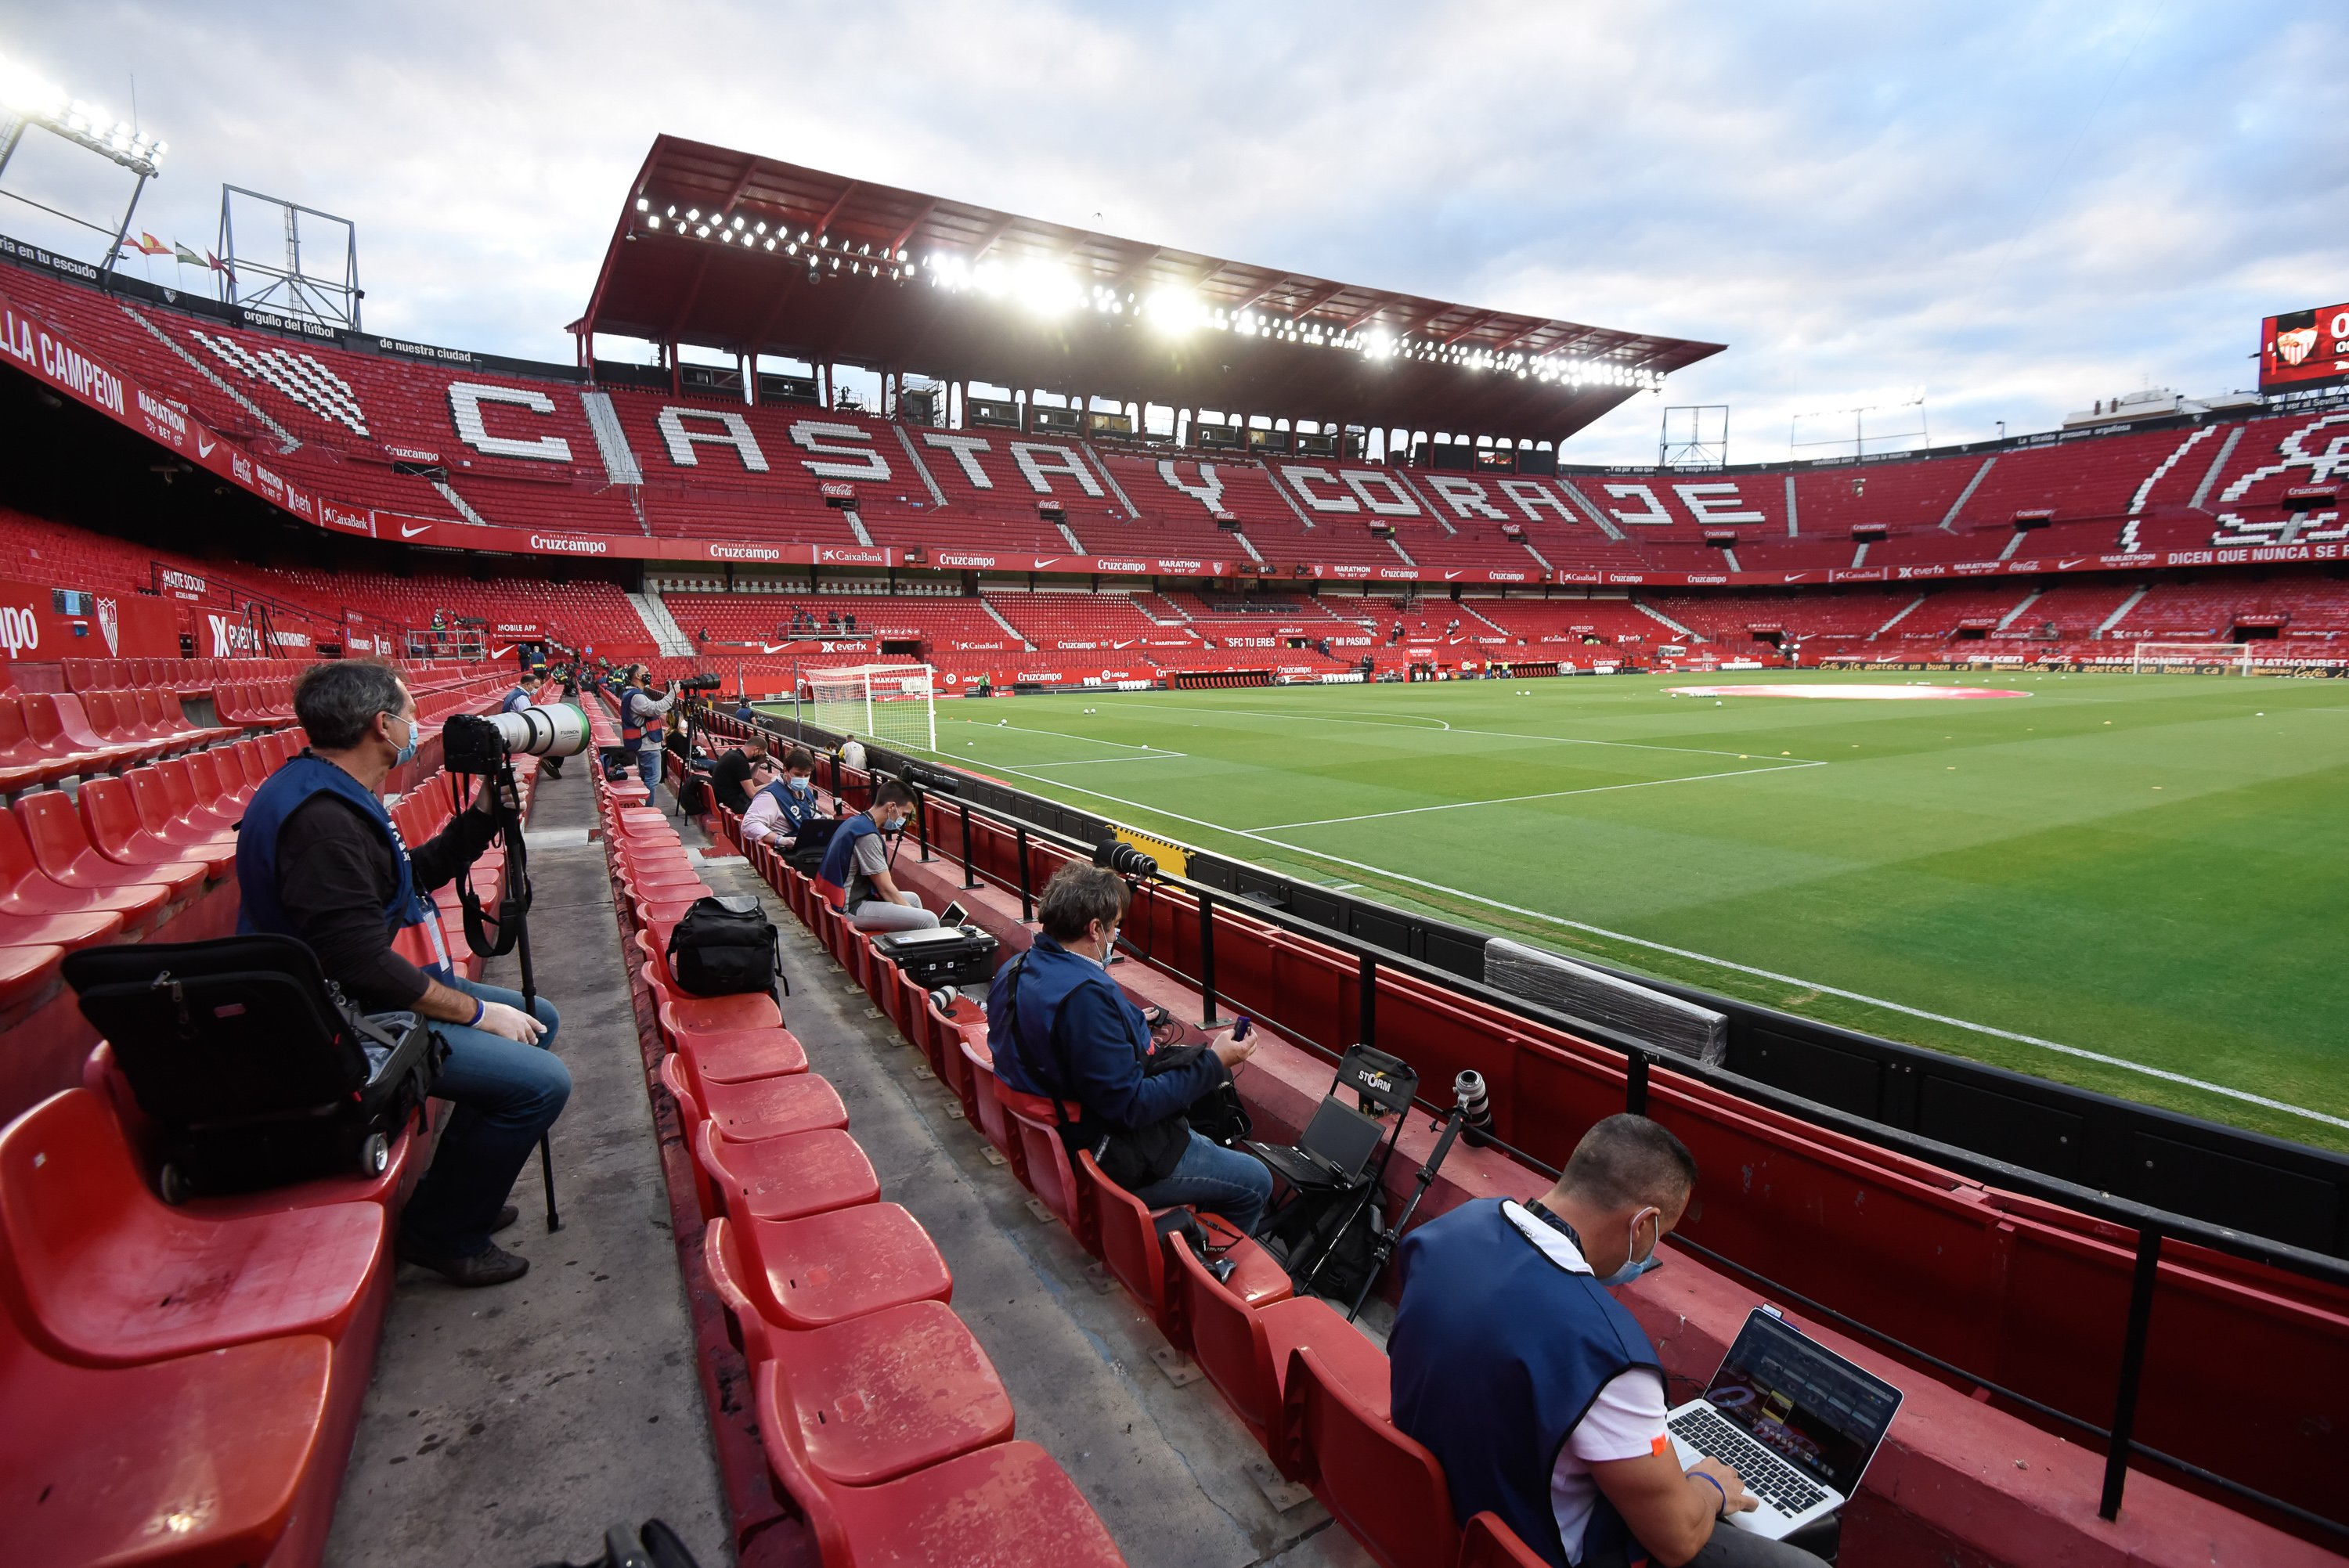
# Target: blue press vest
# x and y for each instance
(840, 851)
(281, 795)
(515, 701)
(1497, 1356)
(1048, 975)
(798, 811)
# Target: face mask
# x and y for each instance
(798, 786)
(1632, 1269)
(407, 752)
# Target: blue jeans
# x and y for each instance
(506, 1095)
(649, 763)
(1221, 1181)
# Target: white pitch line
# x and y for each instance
(1496, 734)
(1097, 761)
(2122, 1062)
(1060, 734)
(1545, 795)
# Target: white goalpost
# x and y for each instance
(2227, 658)
(896, 704)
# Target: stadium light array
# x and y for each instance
(1052, 290)
(36, 101)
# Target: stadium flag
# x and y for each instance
(220, 267)
(187, 257)
(148, 245)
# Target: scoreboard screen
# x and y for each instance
(2304, 348)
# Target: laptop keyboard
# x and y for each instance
(1765, 1475)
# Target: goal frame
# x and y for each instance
(2199, 655)
(852, 696)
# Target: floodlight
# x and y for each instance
(762, 228)
(909, 265)
(643, 205)
(904, 256)
(738, 220)
(822, 240)
(693, 214)
(793, 249)
(770, 244)
(654, 221)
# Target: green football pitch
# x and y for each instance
(2131, 883)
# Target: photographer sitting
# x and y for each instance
(1059, 1026)
(786, 801)
(732, 772)
(1539, 1393)
(640, 711)
(855, 872)
(317, 857)
(525, 695)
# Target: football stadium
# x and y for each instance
(1574, 1012)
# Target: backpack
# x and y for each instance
(726, 947)
(254, 1067)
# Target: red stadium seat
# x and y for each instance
(786, 1178)
(1045, 1163)
(99, 1272)
(746, 1054)
(827, 1268)
(760, 1109)
(88, 929)
(109, 824)
(1136, 1252)
(1005, 1506)
(1383, 1487)
(126, 829)
(190, 795)
(48, 826)
(1245, 1353)
(194, 1461)
(26, 892)
(881, 1396)
(28, 975)
(1487, 1542)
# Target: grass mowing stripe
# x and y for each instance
(2035, 1041)
(1447, 729)
(1546, 795)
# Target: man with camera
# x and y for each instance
(1059, 1026)
(1541, 1395)
(855, 872)
(640, 711)
(318, 858)
(784, 803)
(525, 695)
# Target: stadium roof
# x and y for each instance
(725, 250)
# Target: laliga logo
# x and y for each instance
(19, 631)
(108, 625)
(2293, 346)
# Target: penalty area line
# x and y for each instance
(1545, 795)
(2079, 1053)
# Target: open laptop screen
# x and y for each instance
(1803, 1402)
(1342, 1135)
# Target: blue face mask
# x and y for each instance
(407, 752)
(798, 786)
(1633, 1268)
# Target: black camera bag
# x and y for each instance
(255, 1068)
(721, 950)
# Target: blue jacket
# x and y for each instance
(1496, 1354)
(798, 811)
(833, 877)
(1080, 1039)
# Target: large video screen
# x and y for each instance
(2306, 348)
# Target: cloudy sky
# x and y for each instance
(2015, 208)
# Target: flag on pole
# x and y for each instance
(148, 244)
(187, 257)
(220, 267)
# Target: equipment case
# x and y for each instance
(949, 956)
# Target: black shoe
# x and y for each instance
(492, 1266)
(506, 1217)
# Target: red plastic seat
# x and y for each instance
(740, 1055)
(773, 1107)
(1383, 1487)
(24, 764)
(993, 1119)
(1487, 1542)
(1135, 1253)
(109, 823)
(153, 833)
(90, 928)
(55, 724)
(1046, 1167)
(1245, 1352)
(1007, 1506)
(27, 889)
(186, 794)
(28, 975)
(195, 1460)
(841, 1263)
(100, 1272)
(786, 1178)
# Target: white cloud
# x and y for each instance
(2022, 208)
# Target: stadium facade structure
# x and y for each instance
(570, 490)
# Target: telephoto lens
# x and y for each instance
(1116, 855)
(1475, 1108)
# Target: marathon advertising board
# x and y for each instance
(40, 624)
(2304, 348)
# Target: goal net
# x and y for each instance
(893, 704)
(2226, 658)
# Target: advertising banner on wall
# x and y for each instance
(41, 625)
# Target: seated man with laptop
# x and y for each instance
(1543, 1398)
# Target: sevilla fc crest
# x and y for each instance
(110, 626)
(2293, 346)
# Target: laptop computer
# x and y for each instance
(1796, 1420)
(1333, 1151)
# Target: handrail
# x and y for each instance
(2152, 1226)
